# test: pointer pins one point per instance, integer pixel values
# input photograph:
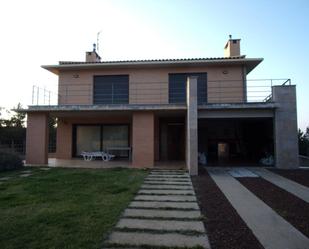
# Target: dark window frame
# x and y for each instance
(202, 99)
(95, 95)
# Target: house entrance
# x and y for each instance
(172, 139)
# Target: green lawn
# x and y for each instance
(63, 208)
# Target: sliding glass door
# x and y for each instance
(101, 137)
(88, 138)
(115, 136)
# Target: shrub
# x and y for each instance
(10, 161)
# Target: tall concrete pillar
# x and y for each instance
(285, 127)
(37, 138)
(192, 142)
(143, 139)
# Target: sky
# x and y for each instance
(43, 32)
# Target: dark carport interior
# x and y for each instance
(236, 141)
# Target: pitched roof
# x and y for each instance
(249, 63)
(153, 60)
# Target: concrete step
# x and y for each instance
(168, 179)
(168, 182)
(169, 171)
(166, 192)
(151, 239)
(166, 225)
(181, 176)
(184, 198)
(168, 186)
(162, 205)
(155, 213)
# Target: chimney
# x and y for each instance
(232, 47)
(93, 55)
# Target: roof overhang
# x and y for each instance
(249, 63)
(100, 108)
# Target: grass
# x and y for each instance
(63, 208)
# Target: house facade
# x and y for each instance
(150, 111)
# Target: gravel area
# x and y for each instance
(225, 228)
(300, 176)
(290, 207)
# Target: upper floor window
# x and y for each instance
(111, 89)
(177, 87)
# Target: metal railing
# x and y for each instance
(42, 96)
(19, 147)
(224, 91)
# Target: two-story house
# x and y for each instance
(168, 110)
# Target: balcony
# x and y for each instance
(155, 95)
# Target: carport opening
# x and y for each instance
(236, 142)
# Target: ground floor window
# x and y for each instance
(100, 137)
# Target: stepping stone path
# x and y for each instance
(25, 173)
(164, 213)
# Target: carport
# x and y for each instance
(236, 138)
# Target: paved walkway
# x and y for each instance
(271, 229)
(293, 187)
(163, 213)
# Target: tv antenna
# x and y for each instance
(98, 36)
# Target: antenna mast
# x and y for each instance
(98, 36)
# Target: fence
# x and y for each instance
(19, 147)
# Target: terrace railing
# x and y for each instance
(225, 91)
(43, 96)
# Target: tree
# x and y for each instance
(18, 119)
(12, 129)
(303, 142)
(1, 120)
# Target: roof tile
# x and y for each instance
(153, 60)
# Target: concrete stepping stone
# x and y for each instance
(165, 198)
(166, 192)
(149, 186)
(168, 171)
(5, 178)
(25, 175)
(155, 213)
(179, 176)
(157, 204)
(45, 168)
(166, 225)
(172, 179)
(151, 239)
(26, 171)
(168, 183)
(168, 179)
